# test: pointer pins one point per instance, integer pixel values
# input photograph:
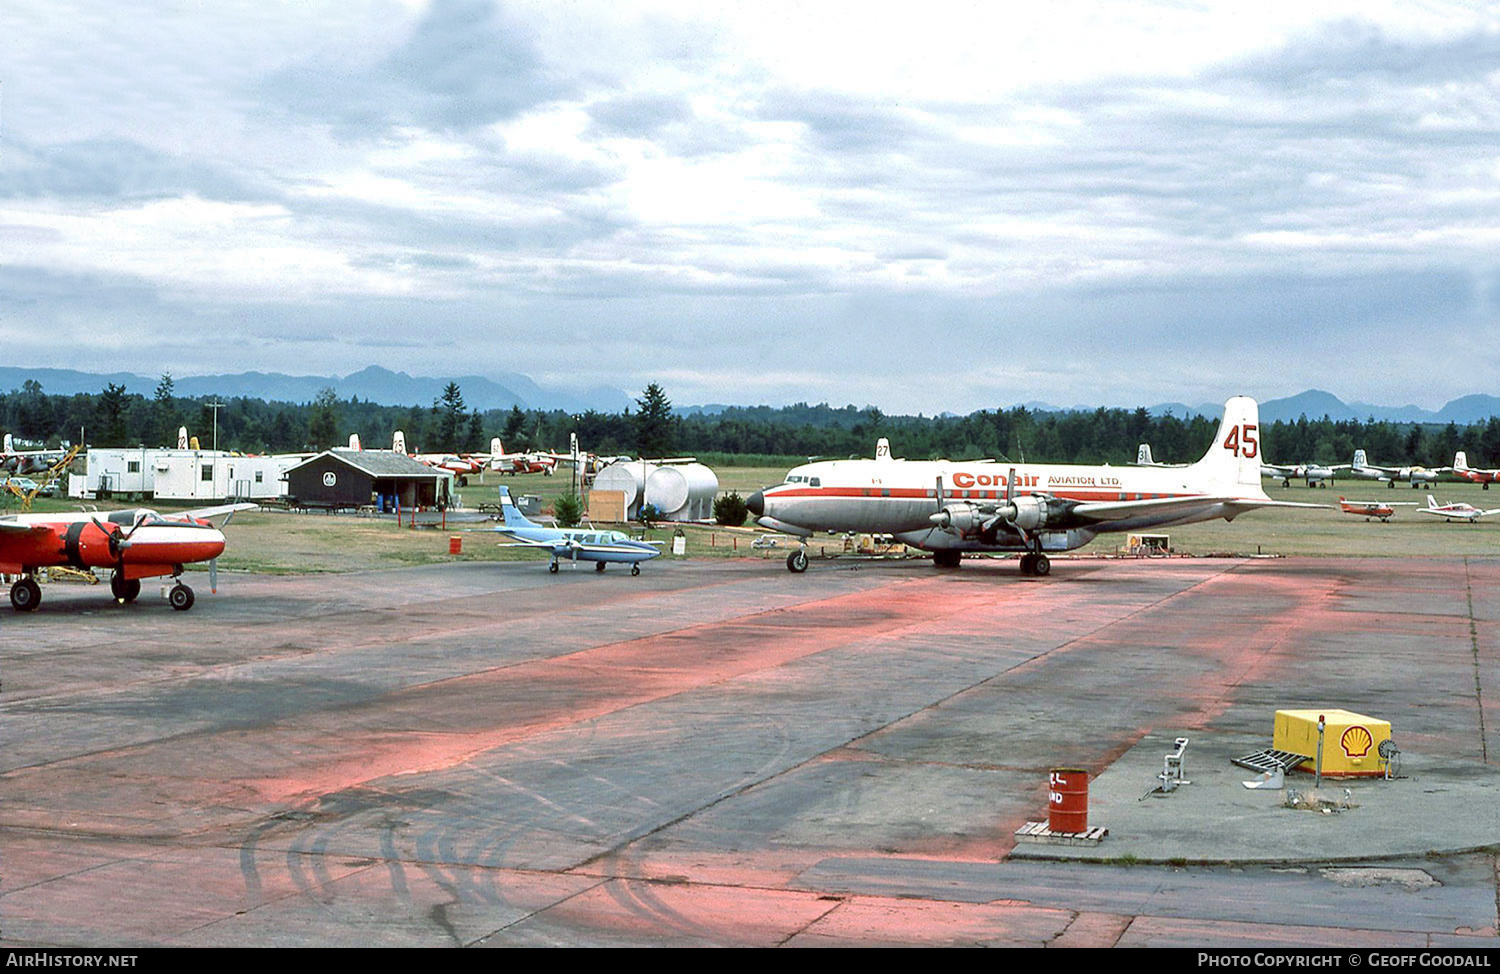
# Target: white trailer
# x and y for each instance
(211, 476)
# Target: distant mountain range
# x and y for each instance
(383, 386)
(1315, 404)
(373, 384)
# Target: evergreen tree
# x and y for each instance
(323, 421)
(165, 413)
(515, 428)
(448, 418)
(112, 403)
(655, 426)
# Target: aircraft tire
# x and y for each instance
(123, 589)
(598, 566)
(796, 562)
(1026, 564)
(552, 568)
(946, 559)
(25, 595)
(635, 569)
(1041, 565)
(180, 597)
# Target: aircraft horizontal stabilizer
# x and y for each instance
(1120, 510)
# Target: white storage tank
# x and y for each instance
(682, 491)
(627, 478)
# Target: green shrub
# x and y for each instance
(568, 509)
(730, 509)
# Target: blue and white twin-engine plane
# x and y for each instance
(576, 544)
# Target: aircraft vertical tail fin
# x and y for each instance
(1232, 463)
(9, 447)
(1432, 503)
(495, 448)
(512, 514)
(354, 441)
(1143, 455)
(1360, 459)
(882, 449)
(398, 442)
(1460, 460)
(182, 438)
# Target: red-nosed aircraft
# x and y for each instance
(1369, 509)
(1455, 511)
(1473, 474)
(135, 544)
(949, 507)
(543, 463)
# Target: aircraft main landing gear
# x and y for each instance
(124, 589)
(1036, 563)
(552, 568)
(635, 569)
(946, 558)
(796, 562)
(25, 594)
(598, 566)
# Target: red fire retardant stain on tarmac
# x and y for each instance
(546, 695)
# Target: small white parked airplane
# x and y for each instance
(950, 508)
(1456, 511)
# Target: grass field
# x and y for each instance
(281, 542)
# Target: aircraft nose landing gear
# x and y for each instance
(180, 597)
(796, 562)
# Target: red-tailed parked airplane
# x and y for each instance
(1369, 509)
(1455, 511)
(1474, 474)
(136, 544)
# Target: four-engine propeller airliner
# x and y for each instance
(949, 507)
(136, 544)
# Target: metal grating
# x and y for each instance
(1270, 761)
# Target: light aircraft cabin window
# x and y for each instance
(815, 482)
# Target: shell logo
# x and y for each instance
(1356, 742)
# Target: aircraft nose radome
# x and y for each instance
(756, 502)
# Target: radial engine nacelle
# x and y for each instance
(1020, 513)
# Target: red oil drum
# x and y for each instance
(1068, 800)
(455, 544)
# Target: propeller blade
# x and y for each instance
(941, 501)
(1010, 485)
(213, 575)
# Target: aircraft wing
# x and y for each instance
(208, 512)
(1122, 510)
(14, 528)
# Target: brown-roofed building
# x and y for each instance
(357, 478)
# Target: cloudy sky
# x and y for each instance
(924, 206)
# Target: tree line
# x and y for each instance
(749, 434)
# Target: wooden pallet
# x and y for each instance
(1039, 832)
